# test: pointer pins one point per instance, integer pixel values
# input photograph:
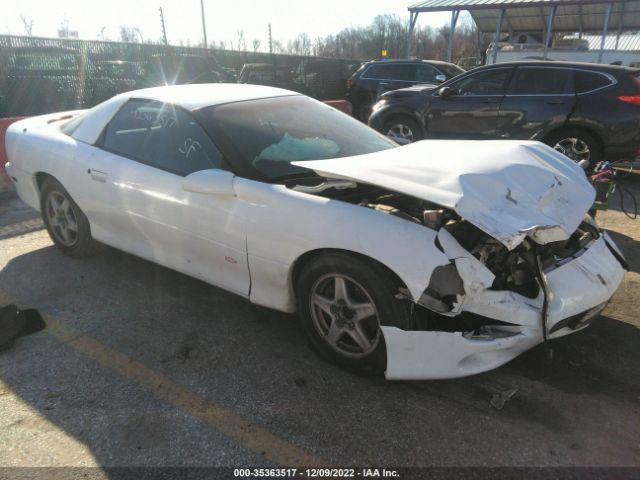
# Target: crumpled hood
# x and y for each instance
(509, 189)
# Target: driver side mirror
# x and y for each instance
(446, 92)
(210, 182)
(441, 78)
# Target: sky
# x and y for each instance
(224, 19)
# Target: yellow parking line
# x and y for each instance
(251, 436)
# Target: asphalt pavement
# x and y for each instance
(142, 366)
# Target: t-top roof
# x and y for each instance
(532, 15)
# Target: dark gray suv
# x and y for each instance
(379, 76)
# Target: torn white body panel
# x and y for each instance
(436, 355)
(508, 189)
(581, 286)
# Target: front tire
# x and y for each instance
(343, 300)
(404, 129)
(67, 225)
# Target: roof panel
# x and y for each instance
(440, 5)
(532, 16)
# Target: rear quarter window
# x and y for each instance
(542, 81)
(589, 81)
(398, 71)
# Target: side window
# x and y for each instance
(589, 81)
(162, 136)
(488, 82)
(391, 71)
(542, 81)
(426, 74)
(376, 72)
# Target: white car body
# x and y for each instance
(248, 236)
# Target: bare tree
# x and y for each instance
(390, 33)
(256, 45)
(301, 45)
(277, 46)
(64, 31)
(102, 34)
(27, 23)
(130, 34)
(242, 45)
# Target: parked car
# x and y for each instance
(35, 80)
(432, 260)
(323, 78)
(111, 77)
(379, 76)
(267, 74)
(586, 111)
(180, 68)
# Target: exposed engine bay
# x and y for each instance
(515, 270)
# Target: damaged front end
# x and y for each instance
(491, 304)
(525, 263)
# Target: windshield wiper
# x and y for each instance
(335, 183)
(296, 176)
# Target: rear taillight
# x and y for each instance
(349, 83)
(632, 99)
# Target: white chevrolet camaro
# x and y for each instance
(432, 260)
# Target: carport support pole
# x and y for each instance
(452, 30)
(204, 25)
(413, 18)
(549, 32)
(605, 29)
(496, 40)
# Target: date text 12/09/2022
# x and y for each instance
(315, 472)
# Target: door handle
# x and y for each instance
(490, 100)
(555, 102)
(97, 175)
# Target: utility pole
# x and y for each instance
(270, 40)
(204, 25)
(164, 31)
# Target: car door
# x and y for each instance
(471, 109)
(539, 98)
(146, 150)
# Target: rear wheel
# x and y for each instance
(578, 145)
(404, 129)
(343, 300)
(67, 225)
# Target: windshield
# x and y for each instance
(270, 133)
(451, 70)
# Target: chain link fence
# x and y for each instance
(42, 75)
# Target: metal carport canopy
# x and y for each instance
(531, 16)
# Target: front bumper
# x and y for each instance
(578, 290)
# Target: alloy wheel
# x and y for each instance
(401, 131)
(61, 218)
(574, 148)
(344, 315)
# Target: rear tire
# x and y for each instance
(67, 225)
(342, 301)
(576, 144)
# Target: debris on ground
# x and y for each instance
(498, 400)
(15, 323)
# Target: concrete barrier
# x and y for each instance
(5, 183)
(342, 105)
